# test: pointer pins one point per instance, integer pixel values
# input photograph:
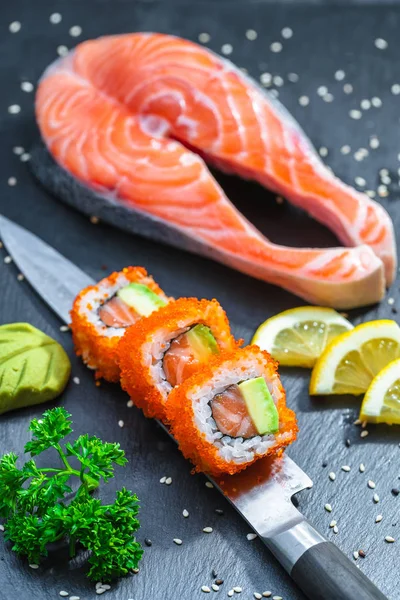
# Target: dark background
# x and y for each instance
(326, 37)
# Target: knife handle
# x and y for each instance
(319, 568)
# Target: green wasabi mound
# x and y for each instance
(34, 368)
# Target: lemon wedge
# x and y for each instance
(351, 361)
(381, 403)
(297, 337)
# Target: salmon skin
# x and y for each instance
(120, 113)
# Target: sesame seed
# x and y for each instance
(120, 423)
(374, 142)
(215, 587)
(328, 507)
(332, 524)
(62, 50)
(381, 44)
(278, 81)
(64, 328)
(18, 150)
(75, 31)
(204, 38)
(376, 498)
(371, 484)
(27, 86)
(328, 97)
(64, 593)
(163, 479)
(346, 468)
(287, 33)
(395, 491)
(55, 18)
(389, 539)
(293, 77)
(390, 301)
(257, 596)
(12, 181)
(362, 553)
(332, 476)
(347, 88)
(237, 589)
(100, 590)
(378, 519)
(335, 529)
(207, 529)
(34, 566)
(1, 527)
(340, 75)
(345, 149)
(364, 433)
(185, 513)
(376, 102)
(355, 114)
(347, 443)
(227, 49)
(230, 593)
(265, 78)
(304, 100)
(129, 403)
(365, 104)
(251, 34)
(74, 598)
(25, 157)
(177, 541)
(14, 109)
(76, 380)
(323, 151)
(7, 260)
(209, 485)
(276, 47)
(219, 511)
(322, 90)
(14, 27)
(267, 594)
(360, 181)
(277, 598)
(105, 586)
(168, 481)
(251, 536)
(355, 555)
(362, 467)
(370, 193)
(395, 89)
(148, 542)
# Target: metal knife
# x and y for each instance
(262, 494)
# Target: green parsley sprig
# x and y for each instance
(38, 513)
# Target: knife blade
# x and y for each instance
(262, 494)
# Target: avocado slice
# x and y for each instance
(202, 342)
(141, 298)
(260, 405)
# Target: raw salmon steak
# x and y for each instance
(133, 118)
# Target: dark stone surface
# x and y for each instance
(326, 38)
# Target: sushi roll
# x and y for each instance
(232, 412)
(101, 314)
(159, 352)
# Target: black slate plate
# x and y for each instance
(326, 38)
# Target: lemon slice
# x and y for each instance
(381, 403)
(351, 361)
(297, 337)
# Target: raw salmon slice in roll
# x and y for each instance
(163, 350)
(101, 314)
(232, 412)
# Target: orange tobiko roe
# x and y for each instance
(134, 349)
(193, 443)
(98, 351)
